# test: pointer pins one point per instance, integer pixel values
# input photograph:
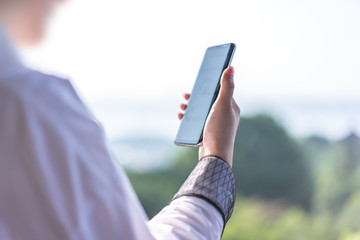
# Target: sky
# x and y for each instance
(131, 60)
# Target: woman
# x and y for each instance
(57, 178)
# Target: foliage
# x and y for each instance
(287, 189)
(155, 190)
(269, 164)
(254, 219)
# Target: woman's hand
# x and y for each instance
(222, 123)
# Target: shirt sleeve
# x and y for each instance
(213, 181)
(187, 218)
(205, 201)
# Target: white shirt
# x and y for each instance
(57, 178)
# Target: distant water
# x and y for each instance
(144, 153)
(141, 133)
(158, 118)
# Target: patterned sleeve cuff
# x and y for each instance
(212, 180)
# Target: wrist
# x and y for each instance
(227, 155)
(214, 156)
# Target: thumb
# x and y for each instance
(227, 85)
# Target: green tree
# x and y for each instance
(269, 164)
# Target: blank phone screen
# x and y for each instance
(205, 89)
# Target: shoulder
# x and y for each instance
(32, 83)
(42, 93)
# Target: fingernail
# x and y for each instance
(231, 70)
(231, 73)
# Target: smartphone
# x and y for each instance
(204, 94)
